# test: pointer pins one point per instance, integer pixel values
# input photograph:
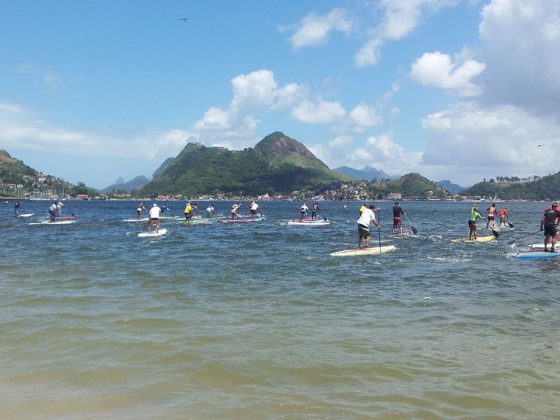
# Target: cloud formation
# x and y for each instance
(438, 70)
(314, 29)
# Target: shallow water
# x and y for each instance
(258, 320)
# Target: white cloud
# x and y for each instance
(369, 53)
(438, 70)
(321, 112)
(382, 152)
(520, 44)
(486, 142)
(314, 29)
(364, 116)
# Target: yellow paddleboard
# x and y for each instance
(478, 239)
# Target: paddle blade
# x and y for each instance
(495, 233)
(510, 224)
(414, 230)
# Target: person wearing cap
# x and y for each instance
(366, 218)
(491, 216)
(153, 219)
(314, 210)
(549, 223)
(397, 223)
(473, 216)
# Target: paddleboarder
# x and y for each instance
(153, 219)
(549, 224)
(139, 211)
(314, 210)
(254, 207)
(367, 217)
(491, 216)
(303, 211)
(397, 223)
(473, 216)
(17, 209)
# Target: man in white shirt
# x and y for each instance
(154, 217)
(254, 207)
(366, 218)
(303, 211)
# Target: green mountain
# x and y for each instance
(14, 171)
(410, 186)
(545, 188)
(277, 164)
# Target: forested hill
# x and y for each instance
(277, 164)
(545, 188)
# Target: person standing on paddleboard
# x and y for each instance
(314, 210)
(549, 224)
(52, 211)
(17, 209)
(210, 210)
(397, 223)
(303, 211)
(253, 207)
(234, 209)
(503, 215)
(139, 211)
(473, 216)
(154, 214)
(491, 216)
(188, 211)
(367, 217)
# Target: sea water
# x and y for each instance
(259, 321)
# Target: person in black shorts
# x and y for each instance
(549, 223)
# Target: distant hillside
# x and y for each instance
(545, 188)
(410, 186)
(14, 171)
(366, 174)
(18, 180)
(277, 164)
(163, 166)
(126, 187)
(450, 186)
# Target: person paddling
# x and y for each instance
(303, 211)
(154, 215)
(367, 217)
(490, 220)
(473, 216)
(397, 222)
(549, 223)
(17, 209)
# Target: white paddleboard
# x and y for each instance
(538, 246)
(304, 222)
(144, 219)
(152, 234)
(364, 251)
(25, 215)
(58, 222)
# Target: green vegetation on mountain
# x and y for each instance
(277, 164)
(545, 188)
(410, 186)
(19, 180)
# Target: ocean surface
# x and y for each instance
(258, 321)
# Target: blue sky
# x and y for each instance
(452, 89)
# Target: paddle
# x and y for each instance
(414, 230)
(494, 232)
(379, 230)
(510, 224)
(530, 234)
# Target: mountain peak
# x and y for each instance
(278, 144)
(4, 154)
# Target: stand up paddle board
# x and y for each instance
(478, 239)
(364, 251)
(25, 215)
(307, 222)
(56, 222)
(536, 255)
(144, 219)
(152, 234)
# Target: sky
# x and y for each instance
(91, 91)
